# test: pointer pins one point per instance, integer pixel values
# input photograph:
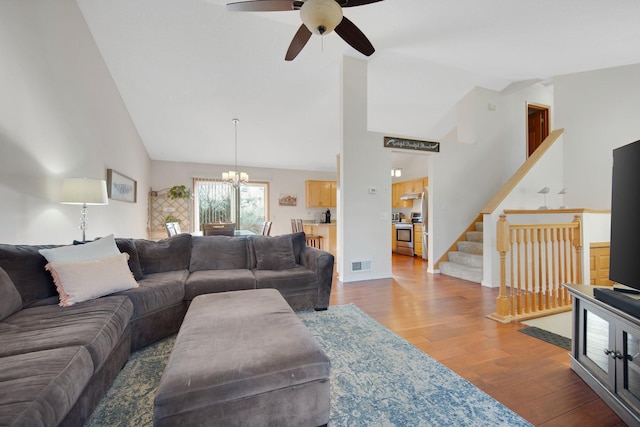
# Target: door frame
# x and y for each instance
(546, 109)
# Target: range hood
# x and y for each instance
(411, 196)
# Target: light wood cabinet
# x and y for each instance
(394, 242)
(599, 264)
(327, 232)
(417, 239)
(320, 194)
(397, 190)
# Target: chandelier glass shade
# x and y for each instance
(321, 16)
(233, 177)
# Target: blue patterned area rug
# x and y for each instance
(377, 379)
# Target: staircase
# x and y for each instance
(466, 262)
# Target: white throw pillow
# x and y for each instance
(98, 249)
(84, 280)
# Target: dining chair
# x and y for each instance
(172, 228)
(219, 229)
(314, 240)
(266, 228)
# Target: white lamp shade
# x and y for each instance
(321, 16)
(79, 191)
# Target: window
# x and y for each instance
(216, 201)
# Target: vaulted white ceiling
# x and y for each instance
(186, 68)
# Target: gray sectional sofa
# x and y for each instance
(57, 362)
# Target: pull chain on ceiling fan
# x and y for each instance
(318, 17)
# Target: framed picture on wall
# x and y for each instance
(288, 199)
(121, 187)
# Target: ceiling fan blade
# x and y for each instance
(299, 41)
(263, 5)
(356, 38)
(352, 3)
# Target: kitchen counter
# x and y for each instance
(328, 233)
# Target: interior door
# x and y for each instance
(537, 126)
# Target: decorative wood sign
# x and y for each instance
(411, 144)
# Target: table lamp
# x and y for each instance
(84, 191)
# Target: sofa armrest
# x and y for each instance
(321, 262)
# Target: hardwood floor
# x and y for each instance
(445, 317)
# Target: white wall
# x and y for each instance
(547, 172)
(363, 218)
(281, 181)
(464, 176)
(60, 116)
(599, 111)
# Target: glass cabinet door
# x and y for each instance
(597, 347)
(628, 378)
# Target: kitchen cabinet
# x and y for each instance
(327, 232)
(394, 242)
(397, 190)
(320, 194)
(605, 352)
(417, 239)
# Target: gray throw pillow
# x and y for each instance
(171, 254)
(11, 300)
(274, 253)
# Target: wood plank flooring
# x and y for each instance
(445, 317)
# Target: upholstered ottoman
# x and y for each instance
(243, 358)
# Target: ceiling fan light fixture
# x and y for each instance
(321, 16)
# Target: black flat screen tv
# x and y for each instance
(624, 257)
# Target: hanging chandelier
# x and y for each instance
(233, 177)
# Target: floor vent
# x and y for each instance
(360, 266)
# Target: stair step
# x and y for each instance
(465, 258)
(473, 274)
(470, 247)
(475, 236)
(479, 226)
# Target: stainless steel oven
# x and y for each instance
(404, 238)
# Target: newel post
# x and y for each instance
(502, 244)
(577, 243)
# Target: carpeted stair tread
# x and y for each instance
(473, 274)
(475, 236)
(465, 258)
(479, 226)
(470, 247)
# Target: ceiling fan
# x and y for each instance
(318, 17)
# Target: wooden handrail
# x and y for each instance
(535, 260)
(521, 173)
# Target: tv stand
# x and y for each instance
(605, 347)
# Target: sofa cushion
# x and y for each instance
(170, 254)
(299, 243)
(295, 279)
(129, 246)
(98, 249)
(39, 388)
(25, 267)
(96, 324)
(156, 292)
(212, 281)
(11, 301)
(85, 280)
(274, 253)
(218, 253)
